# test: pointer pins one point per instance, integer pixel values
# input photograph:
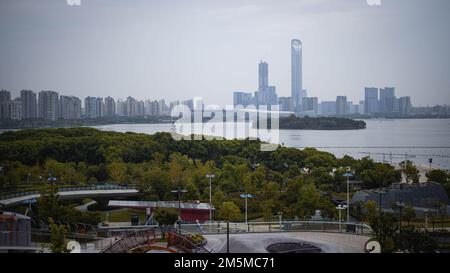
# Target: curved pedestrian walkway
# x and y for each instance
(258, 242)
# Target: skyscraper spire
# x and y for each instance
(296, 75)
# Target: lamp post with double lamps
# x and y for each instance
(340, 208)
(348, 174)
(246, 196)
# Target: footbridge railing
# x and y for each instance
(179, 239)
(283, 226)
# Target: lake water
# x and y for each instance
(390, 140)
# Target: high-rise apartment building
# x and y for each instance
(5, 98)
(93, 107)
(29, 104)
(69, 107)
(48, 105)
(131, 107)
(110, 107)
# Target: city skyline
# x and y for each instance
(341, 49)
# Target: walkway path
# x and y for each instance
(258, 242)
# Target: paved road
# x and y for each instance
(258, 242)
(85, 206)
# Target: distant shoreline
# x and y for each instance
(88, 123)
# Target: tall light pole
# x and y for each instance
(400, 206)
(210, 177)
(246, 196)
(179, 191)
(340, 208)
(348, 174)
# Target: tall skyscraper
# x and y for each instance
(266, 95)
(263, 76)
(370, 100)
(48, 105)
(110, 107)
(341, 106)
(29, 104)
(296, 75)
(69, 107)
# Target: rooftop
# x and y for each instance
(160, 204)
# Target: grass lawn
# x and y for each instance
(122, 215)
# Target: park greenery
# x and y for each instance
(58, 242)
(320, 123)
(288, 180)
(394, 231)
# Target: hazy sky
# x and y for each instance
(180, 49)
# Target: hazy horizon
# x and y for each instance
(182, 49)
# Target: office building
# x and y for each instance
(242, 98)
(328, 108)
(387, 100)
(310, 106)
(370, 100)
(404, 106)
(284, 103)
(296, 75)
(263, 76)
(341, 106)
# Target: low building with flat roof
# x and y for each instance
(190, 211)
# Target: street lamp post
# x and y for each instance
(246, 196)
(179, 191)
(210, 177)
(348, 174)
(51, 179)
(400, 206)
(280, 219)
(340, 208)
